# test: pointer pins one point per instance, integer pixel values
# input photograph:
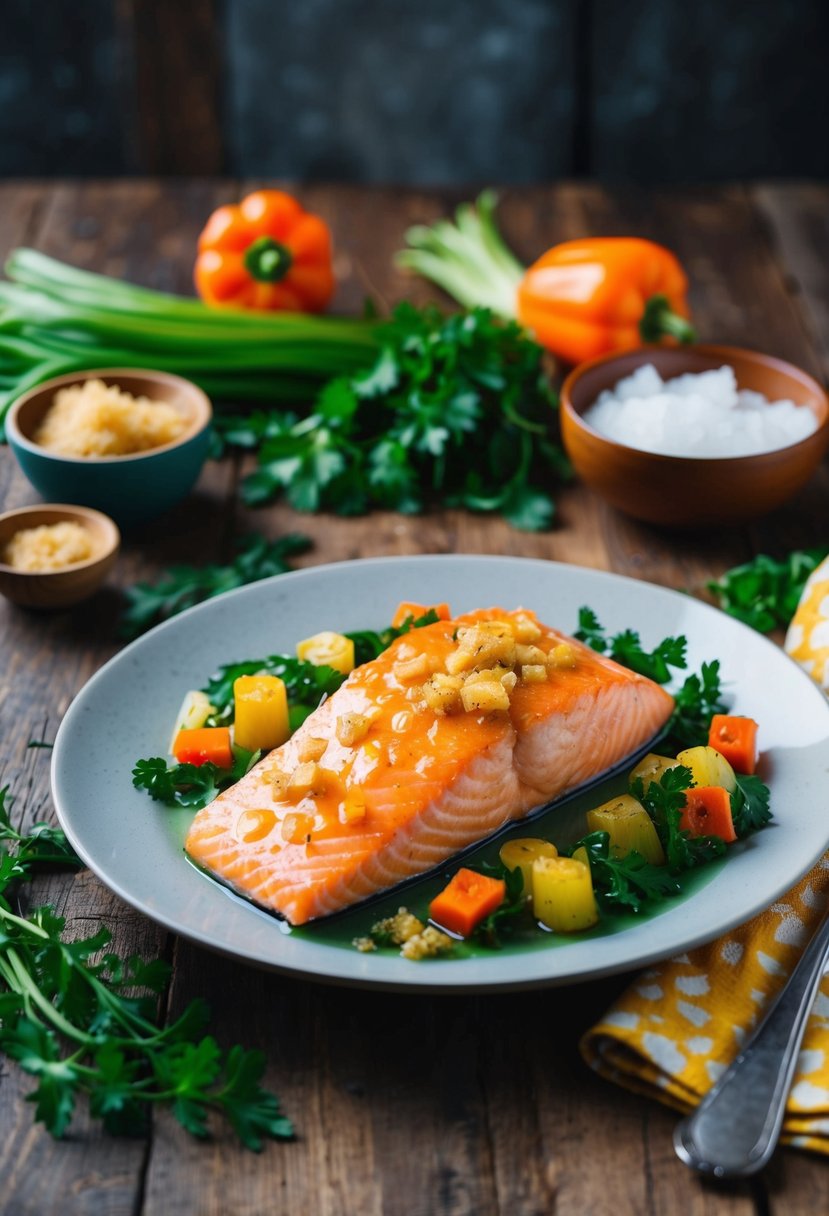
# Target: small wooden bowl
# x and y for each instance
(129, 488)
(58, 588)
(690, 492)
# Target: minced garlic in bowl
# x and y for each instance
(49, 547)
(98, 419)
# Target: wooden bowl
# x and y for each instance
(58, 588)
(691, 492)
(129, 488)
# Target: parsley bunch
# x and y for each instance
(81, 1020)
(764, 593)
(456, 410)
(183, 586)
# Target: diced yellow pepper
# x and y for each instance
(328, 649)
(651, 767)
(708, 767)
(261, 721)
(630, 828)
(520, 855)
(563, 898)
(534, 673)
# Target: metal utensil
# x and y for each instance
(734, 1130)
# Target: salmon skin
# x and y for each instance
(378, 786)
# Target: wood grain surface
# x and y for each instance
(404, 1106)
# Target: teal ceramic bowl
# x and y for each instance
(131, 489)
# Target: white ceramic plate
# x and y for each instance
(134, 844)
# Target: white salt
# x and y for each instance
(702, 414)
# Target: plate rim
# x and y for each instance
(430, 982)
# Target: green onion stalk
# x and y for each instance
(56, 319)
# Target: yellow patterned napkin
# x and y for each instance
(674, 1030)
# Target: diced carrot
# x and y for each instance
(736, 739)
(209, 743)
(408, 609)
(467, 899)
(707, 812)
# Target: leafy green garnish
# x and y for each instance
(664, 801)
(183, 586)
(695, 704)
(190, 785)
(81, 1020)
(625, 882)
(764, 593)
(626, 648)
(456, 409)
(750, 805)
(490, 931)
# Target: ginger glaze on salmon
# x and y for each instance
(457, 729)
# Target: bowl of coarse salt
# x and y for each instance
(690, 436)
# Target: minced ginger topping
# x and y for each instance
(97, 419)
(49, 547)
(489, 660)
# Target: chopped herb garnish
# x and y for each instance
(628, 882)
(626, 648)
(664, 800)
(750, 805)
(492, 928)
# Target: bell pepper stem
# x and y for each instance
(267, 260)
(658, 321)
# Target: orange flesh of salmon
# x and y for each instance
(432, 785)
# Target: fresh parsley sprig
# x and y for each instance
(183, 586)
(750, 805)
(456, 410)
(664, 800)
(628, 882)
(82, 1021)
(190, 785)
(626, 648)
(764, 593)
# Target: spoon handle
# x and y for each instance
(734, 1130)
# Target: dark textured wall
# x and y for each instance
(418, 91)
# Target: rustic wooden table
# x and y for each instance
(405, 1106)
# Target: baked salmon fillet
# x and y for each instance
(457, 729)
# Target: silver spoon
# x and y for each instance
(734, 1130)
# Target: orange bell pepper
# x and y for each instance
(467, 899)
(207, 743)
(707, 812)
(736, 739)
(586, 298)
(266, 253)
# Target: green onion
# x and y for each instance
(468, 259)
(55, 318)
